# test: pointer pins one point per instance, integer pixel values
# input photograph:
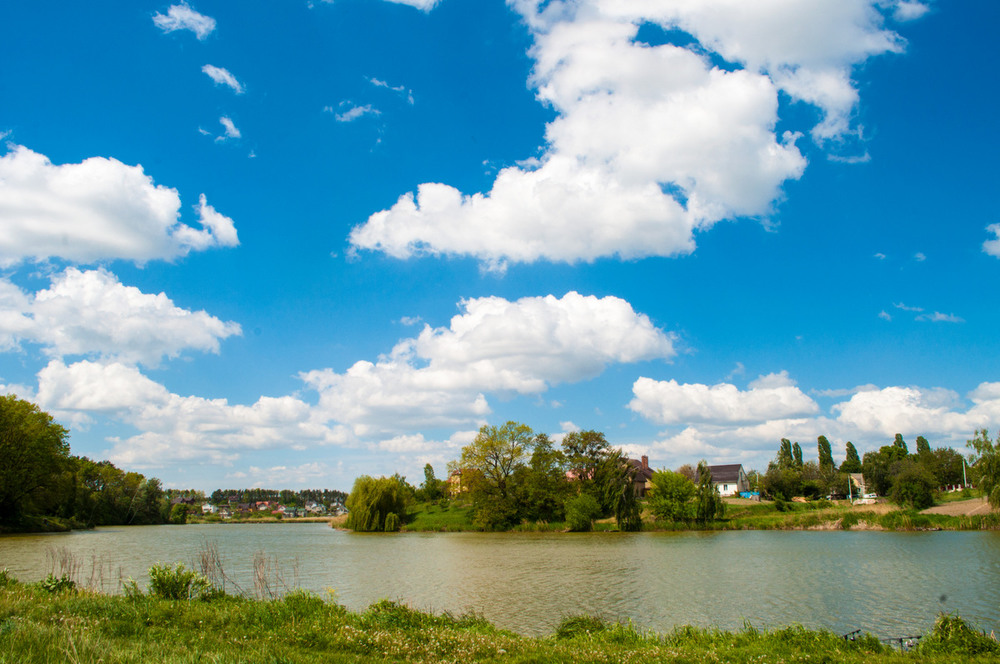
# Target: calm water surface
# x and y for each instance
(891, 584)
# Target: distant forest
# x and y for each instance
(45, 488)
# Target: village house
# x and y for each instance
(729, 479)
(642, 475)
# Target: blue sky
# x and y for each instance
(286, 244)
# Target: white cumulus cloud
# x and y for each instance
(182, 17)
(992, 247)
(222, 76)
(96, 210)
(174, 427)
(439, 378)
(769, 398)
(92, 313)
(650, 143)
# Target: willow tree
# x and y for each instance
(376, 505)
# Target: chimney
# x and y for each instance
(645, 462)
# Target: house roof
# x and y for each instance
(727, 473)
(641, 473)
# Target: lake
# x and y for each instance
(891, 584)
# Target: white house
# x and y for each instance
(729, 478)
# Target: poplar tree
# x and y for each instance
(852, 464)
(825, 453)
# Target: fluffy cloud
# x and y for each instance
(92, 313)
(182, 17)
(222, 76)
(870, 417)
(174, 427)
(650, 143)
(423, 5)
(96, 210)
(439, 377)
(354, 112)
(769, 398)
(992, 247)
(231, 130)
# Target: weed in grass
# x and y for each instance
(952, 635)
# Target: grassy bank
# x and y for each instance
(50, 621)
(444, 516)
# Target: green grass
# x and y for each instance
(66, 625)
(444, 516)
(766, 515)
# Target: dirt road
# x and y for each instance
(961, 508)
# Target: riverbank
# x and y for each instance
(47, 622)
(741, 514)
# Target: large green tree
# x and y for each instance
(496, 452)
(670, 496)
(376, 504)
(852, 464)
(785, 458)
(33, 453)
(541, 483)
(986, 462)
(825, 453)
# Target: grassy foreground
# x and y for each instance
(51, 621)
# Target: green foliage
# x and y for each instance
(784, 458)
(178, 514)
(913, 485)
(541, 486)
(782, 483)
(709, 506)
(616, 479)
(825, 452)
(54, 584)
(496, 453)
(33, 453)
(670, 496)
(6, 580)
(797, 456)
(900, 444)
(581, 510)
(178, 583)
(392, 522)
(431, 487)
(986, 463)
(576, 626)
(852, 463)
(952, 635)
(372, 500)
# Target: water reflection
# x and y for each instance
(888, 583)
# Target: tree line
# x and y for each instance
(43, 486)
(509, 474)
(906, 478)
(40, 480)
(289, 497)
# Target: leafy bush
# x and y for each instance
(6, 579)
(913, 485)
(953, 635)
(178, 582)
(303, 603)
(54, 584)
(581, 511)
